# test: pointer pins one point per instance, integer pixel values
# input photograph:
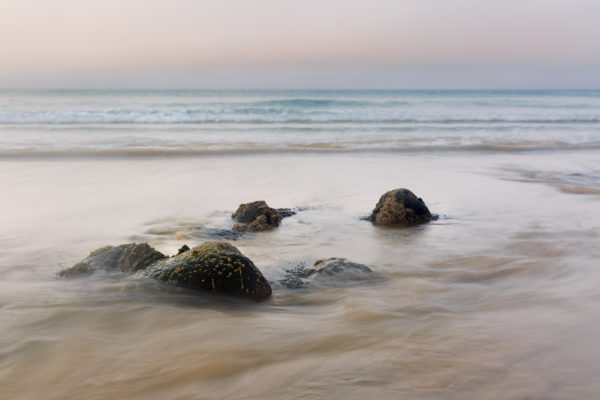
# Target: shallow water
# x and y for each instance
(173, 123)
(496, 299)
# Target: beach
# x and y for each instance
(496, 299)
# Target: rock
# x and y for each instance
(340, 268)
(400, 207)
(217, 233)
(262, 223)
(286, 212)
(127, 258)
(292, 282)
(183, 249)
(332, 271)
(216, 267)
(258, 216)
(294, 278)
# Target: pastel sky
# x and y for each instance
(300, 44)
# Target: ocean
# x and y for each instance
(496, 299)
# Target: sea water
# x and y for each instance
(496, 299)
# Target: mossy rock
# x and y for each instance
(126, 258)
(400, 207)
(258, 216)
(215, 267)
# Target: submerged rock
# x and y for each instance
(258, 216)
(331, 271)
(217, 233)
(294, 278)
(127, 258)
(216, 267)
(286, 212)
(400, 207)
(340, 268)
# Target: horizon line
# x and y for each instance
(299, 89)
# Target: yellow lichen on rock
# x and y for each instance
(217, 267)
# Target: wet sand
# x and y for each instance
(496, 299)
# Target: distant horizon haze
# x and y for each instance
(355, 44)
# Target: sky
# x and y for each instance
(394, 44)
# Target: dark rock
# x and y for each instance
(286, 212)
(259, 224)
(340, 268)
(257, 216)
(250, 211)
(127, 258)
(217, 233)
(400, 207)
(183, 249)
(332, 271)
(294, 278)
(293, 282)
(216, 267)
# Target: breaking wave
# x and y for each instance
(261, 116)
